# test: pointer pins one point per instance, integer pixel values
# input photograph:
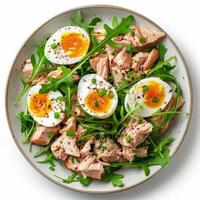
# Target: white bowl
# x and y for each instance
(133, 177)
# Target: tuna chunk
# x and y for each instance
(151, 59)
(43, 135)
(100, 64)
(57, 148)
(144, 37)
(118, 74)
(87, 147)
(130, 153)
(27, 68)
(123, 59)
(72, 163)
(91, 167)
(138, 60)
(64, 146)
(107, 151)
(70, 124)
(95, 170)
(70, 147)
(143, 61)
(135, 134)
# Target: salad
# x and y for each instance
(100, 98)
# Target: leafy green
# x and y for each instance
(74, 177)
(41, 151)
(115, 21)
(27, 125)
(130, 49)
(79, 20)
(115, 178)
(122, 28)
(50, 158)
(162, 51)
(38, 61)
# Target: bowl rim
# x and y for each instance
(32, 34)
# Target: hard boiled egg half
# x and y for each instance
(96, 96)
(46, 109)
(68, 45)
(153, 94)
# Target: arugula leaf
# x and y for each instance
(164, 142)
(74, 177)
(115, 178)
(78, 20)
(115, 21)
(162, 51)
(70, 179)
(84, 180)
(37, 68)
(50, 158)
(27, 125)
(122, 28)
(41, 151)
(130, 49)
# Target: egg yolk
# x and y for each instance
(74, 44)
(154, 94)
(40, 105)
(96, 103)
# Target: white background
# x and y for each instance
(18, 180)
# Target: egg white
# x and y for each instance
(58, 56)
(56, 105)
(86, 86)
(134, 97)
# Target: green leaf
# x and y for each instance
(27, 125)
(41, 151)
(130, 49)
(115, 22)
(85, 181)
(162, 51)
(74, 177)
(79, 20)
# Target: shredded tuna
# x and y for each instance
(70, 124)
(91, 167)
(130, 153)
(87, 148)
(72, 163)
(118, 74)
(107, 150)
(43, 135)
(57, 148)
(135, 134)
(144, 37)
(100, 64)
(123, 59)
